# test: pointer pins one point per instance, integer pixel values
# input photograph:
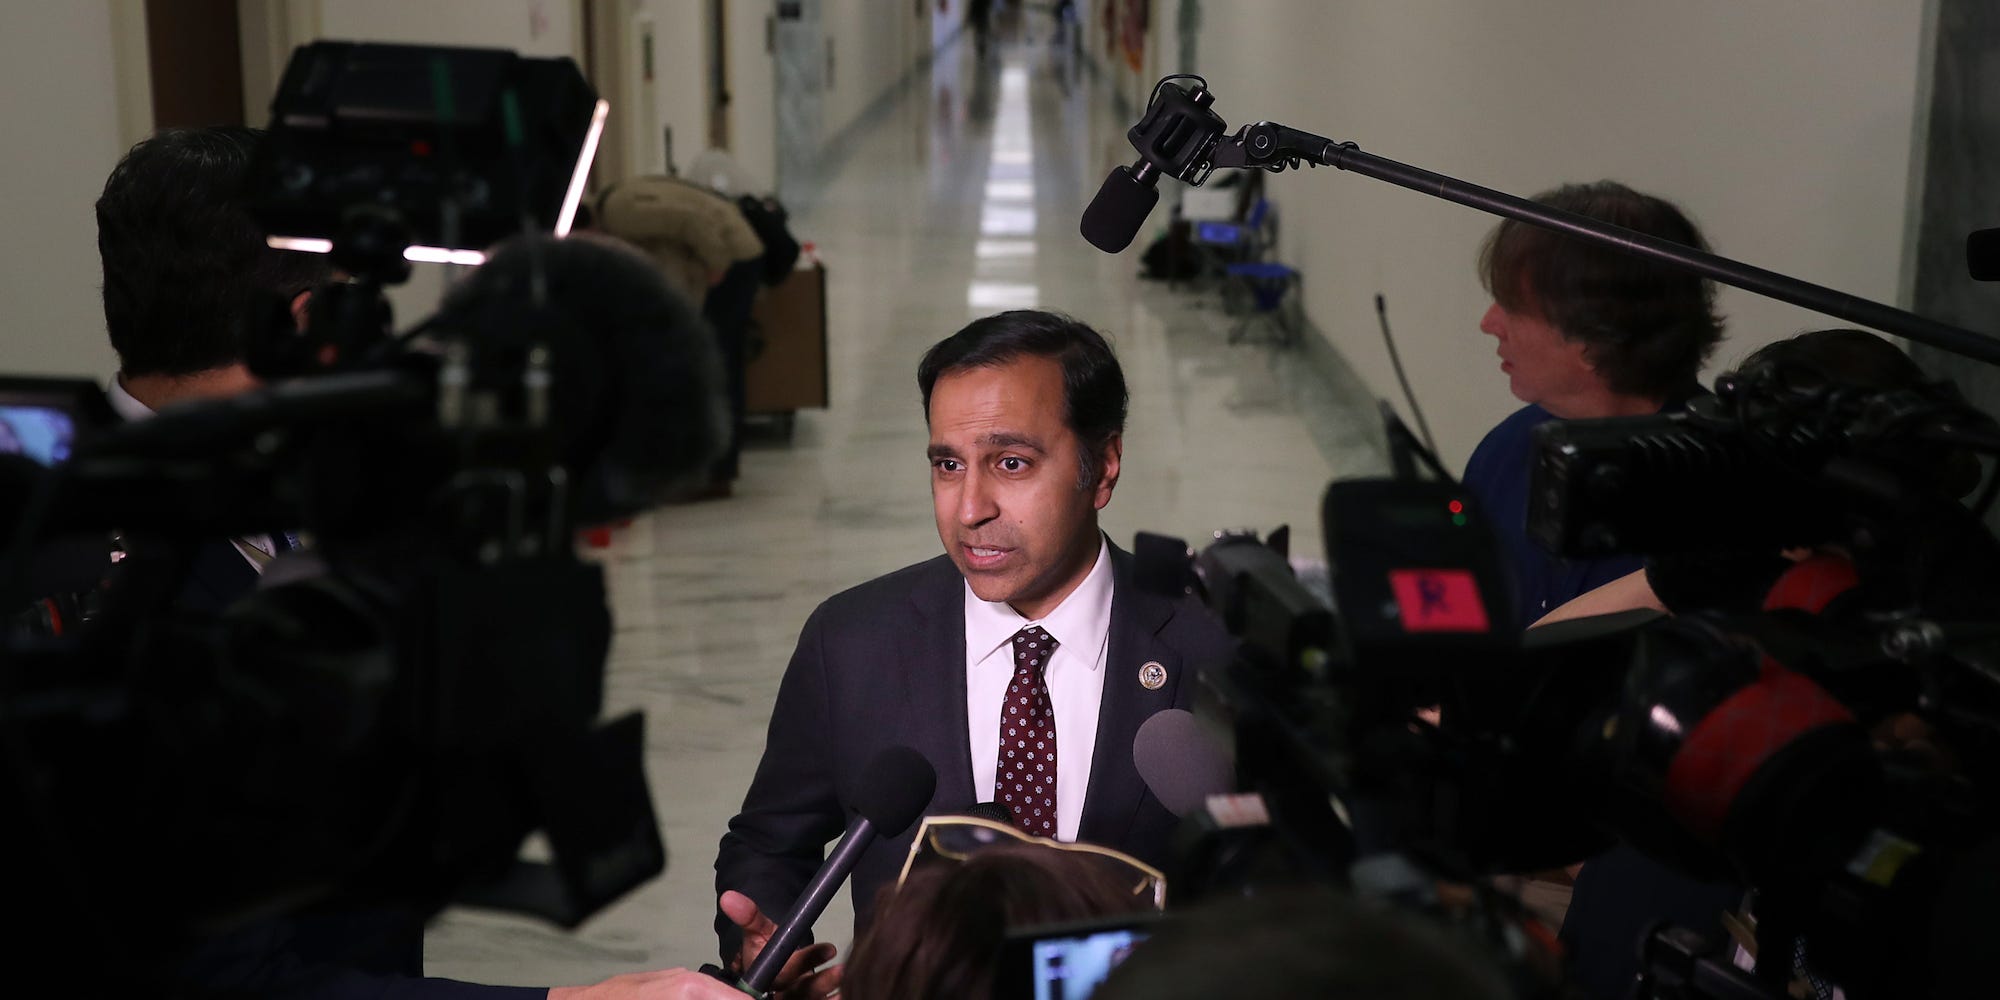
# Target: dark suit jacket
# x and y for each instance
(883, 665)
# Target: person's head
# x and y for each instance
(1302, 943)
(187, 276)
(938, 935)
(1582, 327)
(1026, 412)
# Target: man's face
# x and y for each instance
(1542, 366)
(1004, 483)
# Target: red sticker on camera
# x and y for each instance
(1438, 600)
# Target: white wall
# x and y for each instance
(753, 108)
(64, 134)
(531, 27)
(1785, 129)
(874, 44)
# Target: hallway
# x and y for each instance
(957, 197)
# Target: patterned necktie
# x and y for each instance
(1025, 781)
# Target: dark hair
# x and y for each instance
(938, 936)
(1302, 943)
(1093, 384)
(1646, 327)
(187, 276)
(636, 389)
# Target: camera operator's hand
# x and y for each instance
(797, 980)
(666, 984)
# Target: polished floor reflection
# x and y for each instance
(961, 197)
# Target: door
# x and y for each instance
(799, 59)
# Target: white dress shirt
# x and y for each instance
(128, 409)
(1081, 626)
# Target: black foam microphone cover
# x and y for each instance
(1120, 208)
(1180, 764)
(899, 786)
(637, 388)
(989, 810)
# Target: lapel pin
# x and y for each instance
(1152, 676)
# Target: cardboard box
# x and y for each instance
(789, 319)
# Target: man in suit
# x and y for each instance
(1020, 663)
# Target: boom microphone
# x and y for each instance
(1173, 139)
(1121, 207)
(899, 787)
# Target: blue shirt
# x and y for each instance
(1497, 476)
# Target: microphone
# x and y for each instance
(900, 783)
(1174, 138)
(1224, 840)
(1121, 206)
(1180, 764)
(991, 811)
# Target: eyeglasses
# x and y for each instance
(956, 838)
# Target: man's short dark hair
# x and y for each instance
(1093, 384)
(187, 276)
(1646, 327)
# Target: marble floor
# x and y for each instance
(958, 197)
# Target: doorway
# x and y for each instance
(718, 74)
(194, 51)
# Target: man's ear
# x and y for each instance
(1107, 470)
(301, 305)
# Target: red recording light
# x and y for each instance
(1457, 506)
(419, 147)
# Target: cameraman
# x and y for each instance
(188, 281)
(1583, 332)
(1586, 332)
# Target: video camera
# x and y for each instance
(1733, 743)
(1390, 726)
(389, 715)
